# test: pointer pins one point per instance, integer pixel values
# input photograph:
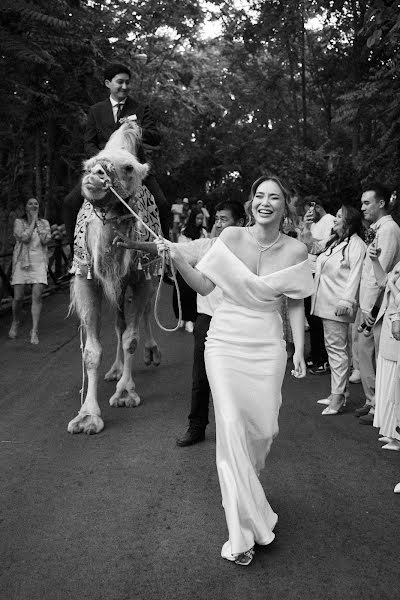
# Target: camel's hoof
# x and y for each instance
(152, 355)
(114, 374)
(125, 398)
(89, 424)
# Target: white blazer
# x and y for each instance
(337, 279)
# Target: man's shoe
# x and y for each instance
(309, 362)
(191, 437)
(363, 410)
(320, 369)
(355, 376)
(366, 419)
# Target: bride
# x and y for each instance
(245, 353)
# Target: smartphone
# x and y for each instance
(312, 206)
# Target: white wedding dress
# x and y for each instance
(245, 360)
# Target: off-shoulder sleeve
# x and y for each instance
(294, 282)
(211, 264)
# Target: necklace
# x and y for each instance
(262, 248)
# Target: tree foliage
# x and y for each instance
(307, 89)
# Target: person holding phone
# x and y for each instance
(318, 223)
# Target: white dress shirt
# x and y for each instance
(387, 239)
(114, 104)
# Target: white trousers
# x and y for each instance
(337, 345)
(367, 356)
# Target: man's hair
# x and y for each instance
(381, 191)
(114, 69)
(236, 209)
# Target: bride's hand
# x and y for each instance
(299, 365)
(169, 248)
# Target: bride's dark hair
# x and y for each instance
(254, 187)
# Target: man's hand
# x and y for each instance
(396, 330)
(374, 252)
(368, 319)
(393, 276)
(341, 311)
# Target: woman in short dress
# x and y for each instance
(30, 260)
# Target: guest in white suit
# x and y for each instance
(335, 300)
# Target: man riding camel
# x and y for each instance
(103, 119)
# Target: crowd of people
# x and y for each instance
(243, 272)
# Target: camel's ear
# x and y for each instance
(144, 171)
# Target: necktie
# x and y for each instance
(119, 110)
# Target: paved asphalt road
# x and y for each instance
(127, 515)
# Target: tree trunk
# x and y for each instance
(303, 77)
(293, 90)
(38, 166)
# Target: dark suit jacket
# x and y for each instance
(100, 125)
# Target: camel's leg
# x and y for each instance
(125, 393)
(115, 372)
(88, 301)
(152, 353)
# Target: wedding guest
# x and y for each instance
(355, 363)
(245, 354)
(335, 300)
(193, 230)
(387, 367)
(206, 214)
(29, 265)
(319, 223)
(375, 205)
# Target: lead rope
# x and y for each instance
(82, 390)
(163, 262)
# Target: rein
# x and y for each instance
(163, 262)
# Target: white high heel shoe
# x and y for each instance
(385, 440)
(397, 489)
(335, 411)
(393, 445)
(325, 401)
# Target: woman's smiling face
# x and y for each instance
(339, 222)
(268, 204)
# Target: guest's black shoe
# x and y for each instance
(320, 369)
(366, 419)
(192, 436)
(363, 410)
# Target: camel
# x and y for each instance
(105, 270)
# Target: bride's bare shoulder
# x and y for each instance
(296, 250)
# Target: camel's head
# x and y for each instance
(117, 168)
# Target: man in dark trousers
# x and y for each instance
(228, 213)
(103, 119)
